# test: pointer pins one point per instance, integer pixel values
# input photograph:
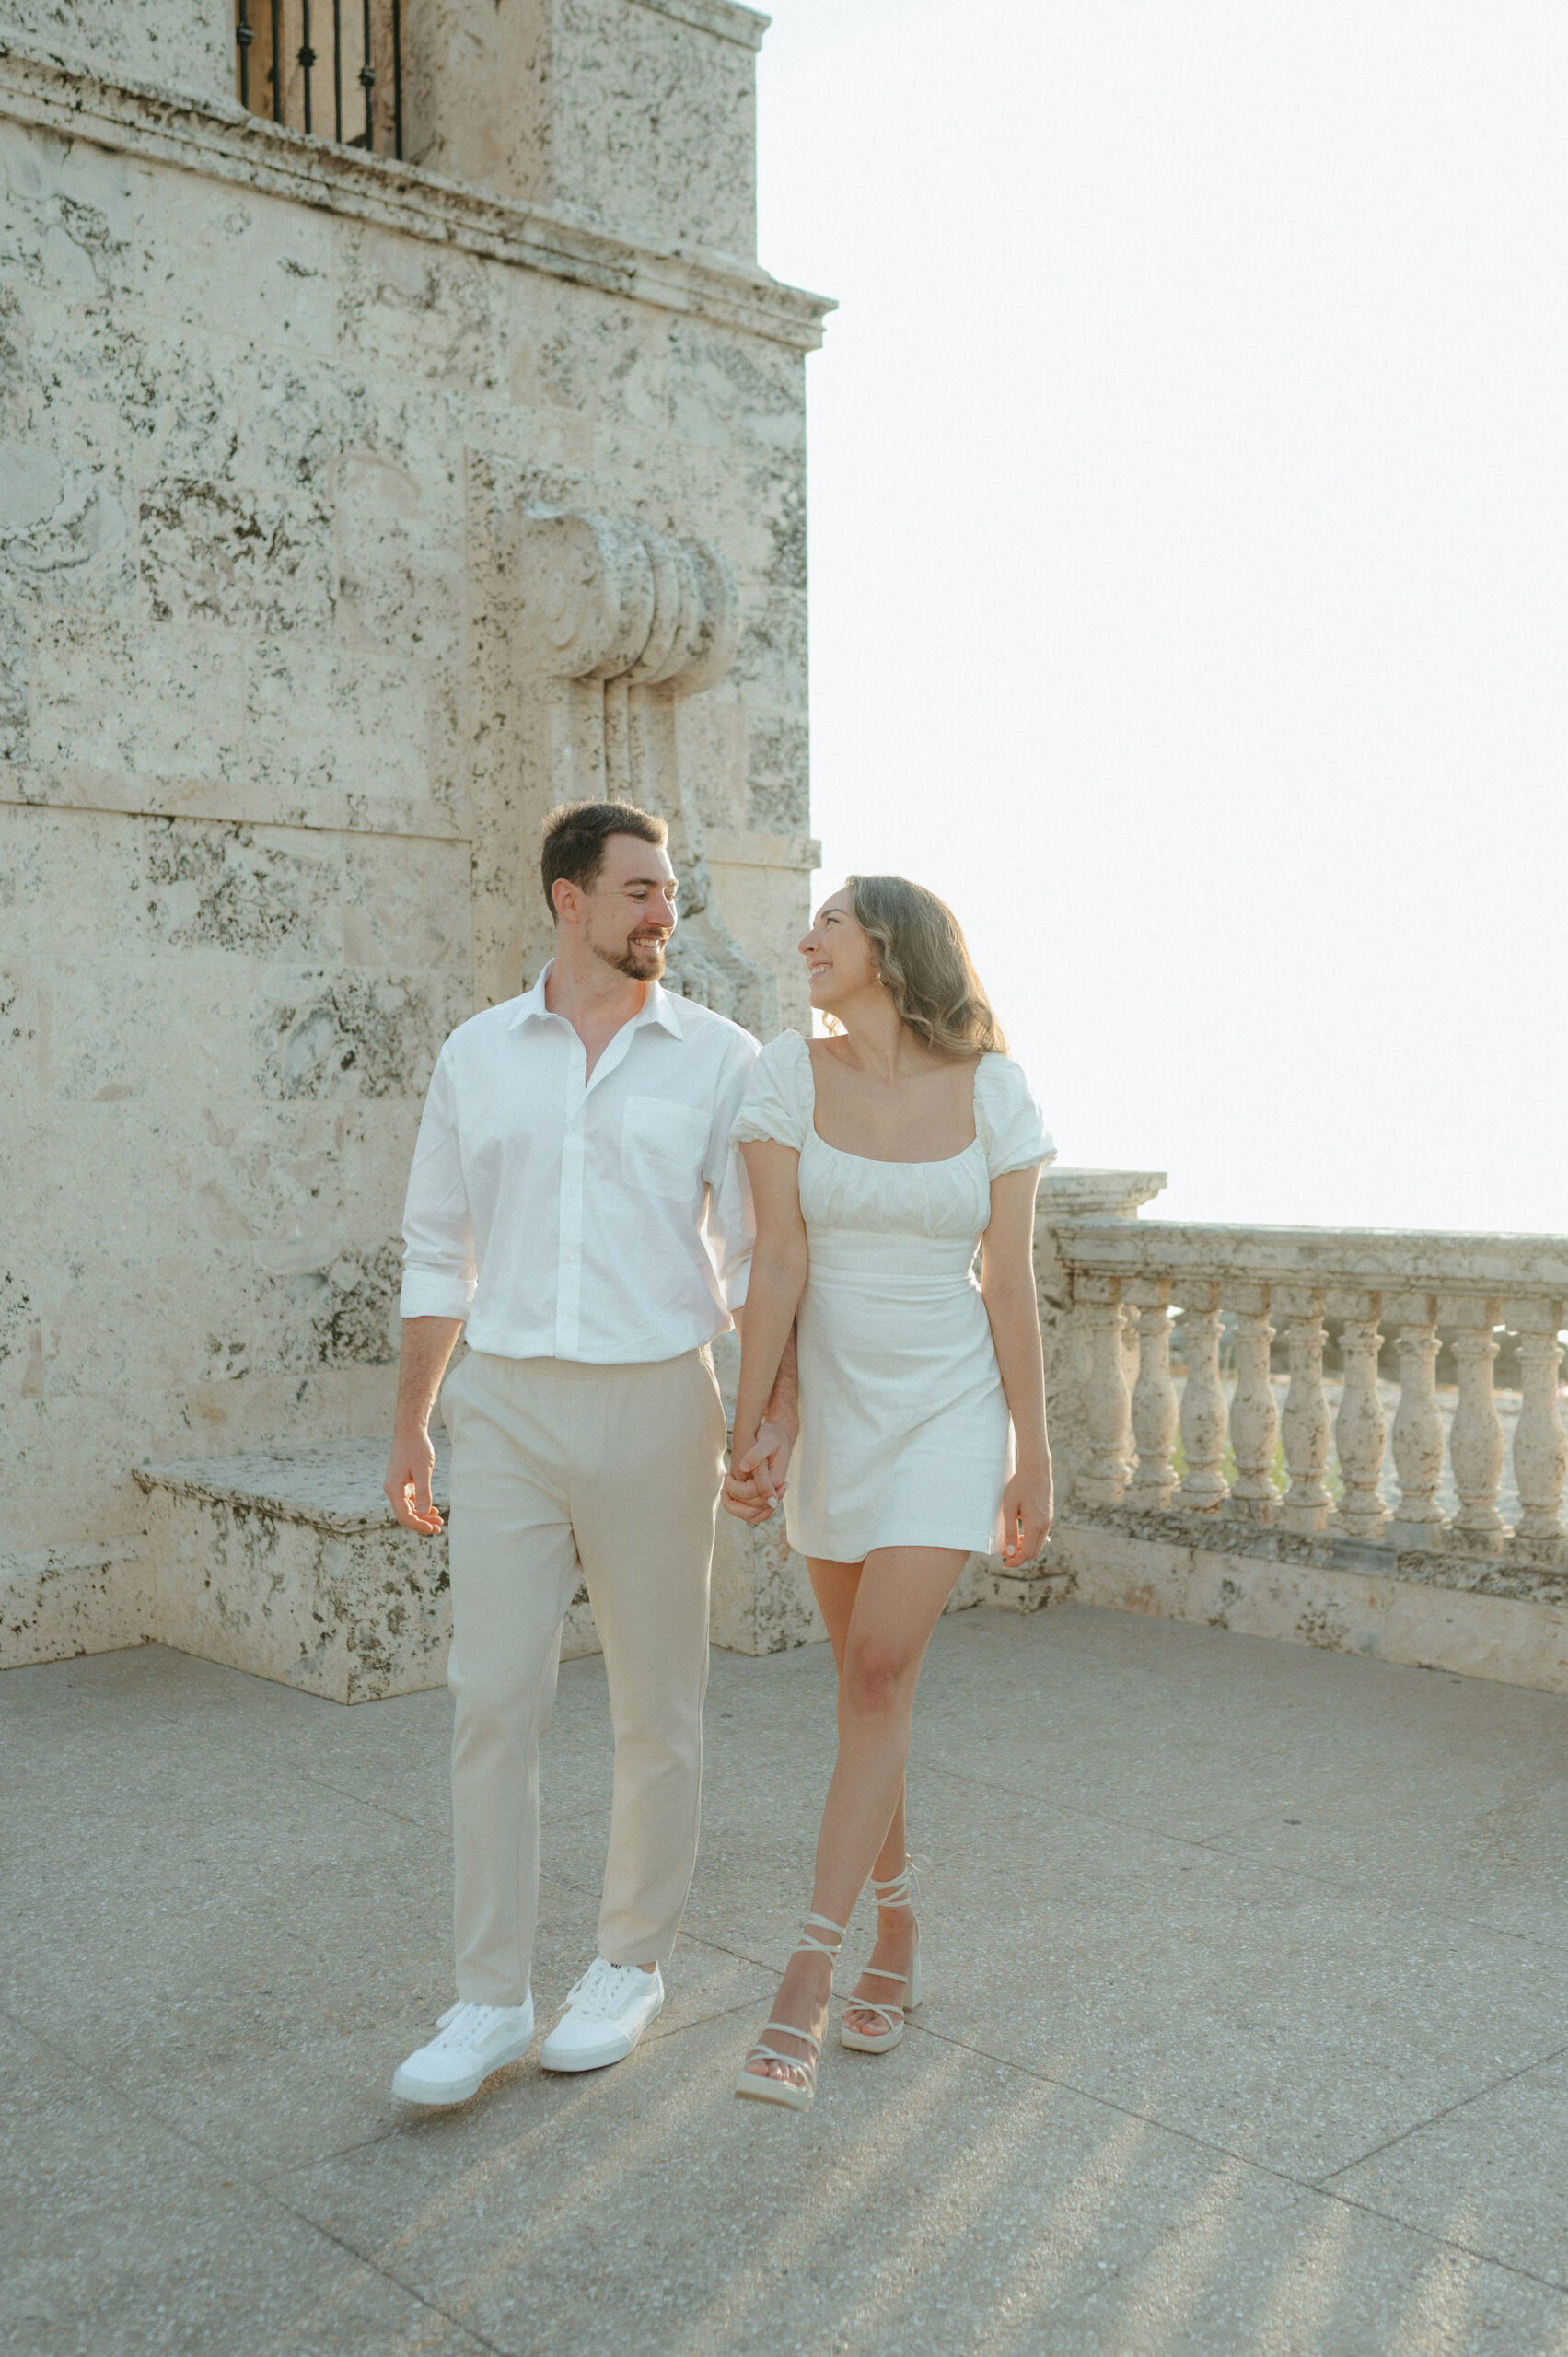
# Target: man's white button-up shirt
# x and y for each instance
(603, 1218)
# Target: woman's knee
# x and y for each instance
(877, 1678)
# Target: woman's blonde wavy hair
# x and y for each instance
(923, 960)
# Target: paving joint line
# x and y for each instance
(325, 1784)
(1211, 1843)
(1445, 2242)
(1067, 1808)
(244, 2174)
(1324, 2187)
(1405, 1907)
(1460, 2103)
(433, 2307)
(247, 2175)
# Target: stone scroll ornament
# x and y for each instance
(635, 621)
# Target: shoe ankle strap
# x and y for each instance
(898, 1890)
(809, 1944)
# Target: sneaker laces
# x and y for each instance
(604, 1988)
(466, 2026)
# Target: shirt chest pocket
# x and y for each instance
(662, 1146)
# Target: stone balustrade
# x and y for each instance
(1392, 1296)
(1175, 1439)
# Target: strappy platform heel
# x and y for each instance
(756, 2087)
(897, 1892)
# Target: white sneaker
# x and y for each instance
(471, 2042)
(606, 2013)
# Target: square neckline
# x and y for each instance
(885, 1161)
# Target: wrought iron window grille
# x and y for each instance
(276, 62)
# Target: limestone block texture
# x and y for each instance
(182, 44)
(1425, 1610)
(273, 415)
(288, 1563)
(636, 114)
(57, 1602)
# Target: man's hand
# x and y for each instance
(408, 1482)
(1025, 1515)
(427, 1344)
(755, 1481)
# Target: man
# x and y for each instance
(575, 1202)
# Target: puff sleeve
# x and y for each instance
(777, 1105)
(1009, 1123)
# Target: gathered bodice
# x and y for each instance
(947, 1203)
(898, 1228)
(907, 1228)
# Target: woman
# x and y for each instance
(879, 1158)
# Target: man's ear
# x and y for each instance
(564, 897)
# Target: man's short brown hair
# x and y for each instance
(575, 835)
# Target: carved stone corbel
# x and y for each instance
(608, 598)
(627, 621)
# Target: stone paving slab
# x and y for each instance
(1248, 2027)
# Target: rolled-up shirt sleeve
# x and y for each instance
(731, 1222)
(439, 1267)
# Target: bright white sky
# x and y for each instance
(1190, 563)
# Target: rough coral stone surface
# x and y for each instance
(287, 1562)
(270, 771)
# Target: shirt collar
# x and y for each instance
(659, 1006)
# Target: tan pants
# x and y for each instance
(560, 1472)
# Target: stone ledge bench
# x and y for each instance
(287, 1562)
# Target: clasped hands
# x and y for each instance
(755, 1481)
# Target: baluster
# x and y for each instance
(1540, 1443)
(397, 78)
(1418, 1430)
(1254, 1419)
(306, 55)
(1361, 1429)
(1305, 1419)
(1106, 1415)
(277, 60)
(1153, 1398)
(1202, 1401)
(367, 81)
(1475, 1444)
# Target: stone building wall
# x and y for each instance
(276, 421)
(185, 45)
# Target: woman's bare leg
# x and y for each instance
(835, 1587)
(898, 1594)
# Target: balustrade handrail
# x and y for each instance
(1446, 1260)
(1126, 1277)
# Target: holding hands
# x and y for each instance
(755, 1482)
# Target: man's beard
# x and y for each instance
(642, 960)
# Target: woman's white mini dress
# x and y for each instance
(904, 1432)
